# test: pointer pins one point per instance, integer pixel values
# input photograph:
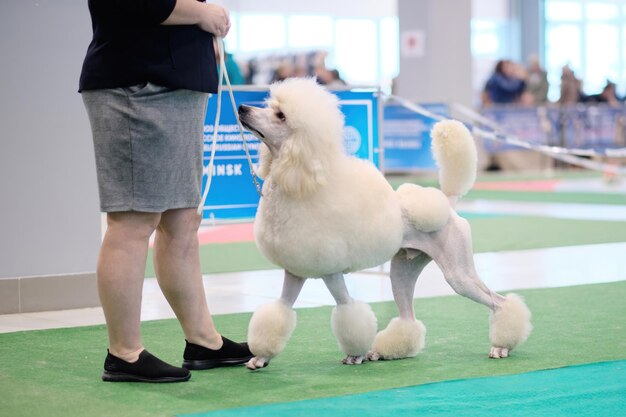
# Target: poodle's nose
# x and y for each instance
(243, 109)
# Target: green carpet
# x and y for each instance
(490, 234)
(56, 372)
(593, 390)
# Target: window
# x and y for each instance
(364, 50)
(590, 36)
(356, 50)
(261, 32)
(310, 31)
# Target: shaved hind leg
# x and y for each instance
(451, 249)
(404, 336)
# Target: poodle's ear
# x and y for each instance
(297, 170)
(265, 161)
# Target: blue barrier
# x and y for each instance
(523, 122)
(406, 138)
(232, 196)
(580, 127)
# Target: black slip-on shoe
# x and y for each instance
(198, 357)
(148, 368)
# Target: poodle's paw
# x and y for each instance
(498, 352)
(353, 360)
(372, 355)
(257, 363)
(509, 325)
(401, 339)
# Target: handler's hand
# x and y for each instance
(215, 20)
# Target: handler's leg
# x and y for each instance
(120, 272)
(177, 266)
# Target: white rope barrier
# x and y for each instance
(499, 135)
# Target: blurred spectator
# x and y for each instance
(284, 71)
(571, 87)
(232, 68)
(608, 96)
(537, 81)
(329, 77)
(506, 84)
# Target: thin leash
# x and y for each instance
(223, 74)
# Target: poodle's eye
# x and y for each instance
(281, 116)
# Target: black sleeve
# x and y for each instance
(144, 11)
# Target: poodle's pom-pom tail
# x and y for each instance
(455, 153)
(510, 324)
(354, 325)
(427, 208)
(270, 328)
(401, 339)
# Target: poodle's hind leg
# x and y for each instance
(272, 324)
(353, 322)
(509, 321)
(404, 336)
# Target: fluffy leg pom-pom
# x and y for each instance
(269, 330)
(401, 339)
(509, 326)
(354, 325)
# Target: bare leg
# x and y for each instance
(177, 266)
(353, 322)
(120, 272)
(272, 324)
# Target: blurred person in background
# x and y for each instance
(506, 84)
(608, 95)
(571, 87)
(235, 76)
(537, 81)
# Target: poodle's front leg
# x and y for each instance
(272, 324)
(353, 322)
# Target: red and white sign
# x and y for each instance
(412, 43)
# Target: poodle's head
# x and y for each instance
(301, 129)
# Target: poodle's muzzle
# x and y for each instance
(245, 116)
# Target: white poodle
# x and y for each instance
(324, 214)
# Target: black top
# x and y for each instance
(131, 47)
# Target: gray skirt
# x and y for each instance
(148, 142)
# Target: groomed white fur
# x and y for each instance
(270, 328)
(354, 325)
(510, 325)
(427, 209)
(455, 153)
(401, 339)
(324, 213)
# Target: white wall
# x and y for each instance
(49, 215)
(444, 72)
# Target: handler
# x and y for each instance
(145, 83)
